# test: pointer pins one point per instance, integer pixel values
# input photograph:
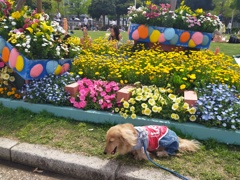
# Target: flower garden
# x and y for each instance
(159, 78)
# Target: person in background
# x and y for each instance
(114, 34)
(86, 22)
(229, 27)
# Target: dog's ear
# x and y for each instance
(128, 134)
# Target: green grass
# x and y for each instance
(213, 161)
(226, 48)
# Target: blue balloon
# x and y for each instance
(51, 66)
(169, 33)
(205, 40)
(2, 44)
(174, 40)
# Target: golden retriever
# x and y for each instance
(125, 138)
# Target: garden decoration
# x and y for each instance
(182, 28)
(32, 45)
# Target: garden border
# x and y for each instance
(194, 130)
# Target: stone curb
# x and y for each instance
(75, 165)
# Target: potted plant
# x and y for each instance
(32, 44)
(182, 27)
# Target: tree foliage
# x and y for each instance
(101, 7)
(206, 5)
(78, 7)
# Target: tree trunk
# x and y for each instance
(104, 24)
(39, 6)
(20, 4)
(173, 4)
(118, 19)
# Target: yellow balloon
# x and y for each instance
(20, 63)
(191, 44)
(58, 70)
(155, 36)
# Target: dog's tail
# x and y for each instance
(186, 145)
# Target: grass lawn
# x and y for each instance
(226, 48)
(213, 161)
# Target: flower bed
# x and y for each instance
(33, 45)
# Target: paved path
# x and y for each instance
(75, 165)
(14, 171)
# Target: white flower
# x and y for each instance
(5, 27)
(13, 23)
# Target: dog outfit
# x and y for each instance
(154, 137)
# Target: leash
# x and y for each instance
(158, 165)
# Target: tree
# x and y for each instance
(78, 7)
(102, 8)
(122, 8)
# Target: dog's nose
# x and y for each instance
(105, 152)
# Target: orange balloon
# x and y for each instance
(5, 54)
(143, 31)
(185, 36)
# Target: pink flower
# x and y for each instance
(82, 98)
(100, 101)
(103, 93)
(109, 105)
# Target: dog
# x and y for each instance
(125, 138)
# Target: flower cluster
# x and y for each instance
(49, 90)
(182, 71)
(7, 79)
(156, 102)
(95, 94)
(34, 35)
(219, 106)
(181, 18)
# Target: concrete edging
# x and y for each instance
(75, 165)
(194, 130)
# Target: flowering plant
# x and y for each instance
(181, 18)
(49, 90)
(156, 102)
(218, 105)
(95, 94)
(33, 34)
(7, 79)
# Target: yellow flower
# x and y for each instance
(12, 78)
(133, 116)
(192, 110)
(30, 29)
(186, 105)
(132, 108)
(144, 105)
(155, 109)
(159, 109)
(80, 72)
(126, 104)
(192, 118)
(175, 106)
(148, 3)
(147, 111)
(116, 109)
(97, 73)
(183, 86)
(192, 76)
(6, 76)
(16, 15)
(151, 102)
(172, 97)
(139, 98)
(174, 116)
(184, 78)
(199, 11)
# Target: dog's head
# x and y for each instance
(120, 138)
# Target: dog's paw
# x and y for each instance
(162, 154)
(139, 155)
